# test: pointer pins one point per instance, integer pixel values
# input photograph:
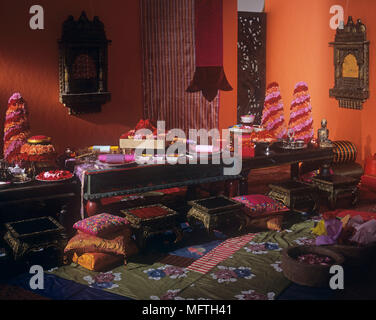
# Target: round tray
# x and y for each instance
(312, 275)
(56, 180)
(291, 147)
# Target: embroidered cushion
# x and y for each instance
(260, 204)
(101, 224)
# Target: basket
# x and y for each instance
(308, 274)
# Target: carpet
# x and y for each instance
(251, 269)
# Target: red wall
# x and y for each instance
(298, 34)
(29, 64)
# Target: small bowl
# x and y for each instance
(249, 118)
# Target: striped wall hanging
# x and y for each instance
(168, 53)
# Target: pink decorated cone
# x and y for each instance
(273, 115)
(16, 128)
(301, 121)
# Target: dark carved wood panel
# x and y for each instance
(351, 89)
(251, 63)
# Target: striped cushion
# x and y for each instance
(344, 151)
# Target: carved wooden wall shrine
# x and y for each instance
(251, 64)
(351, 61)
(83, 65)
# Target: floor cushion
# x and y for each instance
(101, 225)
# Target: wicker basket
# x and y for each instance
(308, 274)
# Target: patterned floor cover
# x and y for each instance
(246, 267)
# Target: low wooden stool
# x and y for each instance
(295, 194)
(27, 237)
(150, 220)
(216, 212)
(337, 185)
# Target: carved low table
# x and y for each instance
(296, 195)
(337, 185)
(150, 220)
(216, 212)
(30, 236)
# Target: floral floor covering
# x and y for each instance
(252, 271)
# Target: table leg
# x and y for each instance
(93, 207)
(332, 201)
(316, 202)
(294, 171)
(243, 183)
(63, 220)
(232, 188)
(191, 193)
(355, 195)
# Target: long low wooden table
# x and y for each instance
(17, 201)
(105, 183)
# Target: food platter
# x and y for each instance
(54, 175)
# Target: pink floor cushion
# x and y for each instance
(101, 225)
(261, 204)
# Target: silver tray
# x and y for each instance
(292, 145)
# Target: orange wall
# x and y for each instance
(29, 64)
(298, 34)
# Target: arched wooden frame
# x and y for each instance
(351, 88)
